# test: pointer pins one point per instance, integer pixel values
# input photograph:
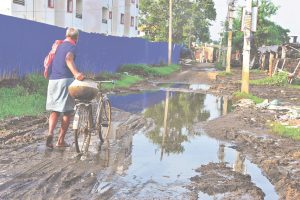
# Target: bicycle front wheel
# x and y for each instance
(81, 129)
(103, 118)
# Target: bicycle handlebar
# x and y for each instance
(112, 81)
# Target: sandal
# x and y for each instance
(63, 145)
(49, 140)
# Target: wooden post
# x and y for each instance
(229, 48)
(263, 62)
(276, 67)
(271, 59)
(247, 48)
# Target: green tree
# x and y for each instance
(268, 32)
(190, 18)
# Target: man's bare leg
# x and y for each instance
(65, 122)
(53, 118)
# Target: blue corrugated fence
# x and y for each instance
(24, 44)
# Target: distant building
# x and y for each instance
(110, 17)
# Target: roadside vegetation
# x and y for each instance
(219, 66)
(145, 70)
(125, 81)
(223, 73)
(286, 131)
(131, 74)
(279, 79)
(28, 97)
(256, 71)
(242, 95)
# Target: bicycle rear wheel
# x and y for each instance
(81, 129)
(103, 118)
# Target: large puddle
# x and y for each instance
(171, 151)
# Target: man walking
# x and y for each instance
(58, 100)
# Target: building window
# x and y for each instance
(110, 14)
(122, 18)
(132, 21)
(104, 15)
(137, 4)
(70, 6)
(136, 23)
(132, 1)
(20, 2)
(79, 9)
(50, 3)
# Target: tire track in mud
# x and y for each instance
(45, 179)
(21, 130)
(33, 172)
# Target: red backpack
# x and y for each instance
(49, 58)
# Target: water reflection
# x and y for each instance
(221, 153)
(116, 154)
(165, 124)
(175, 117)
(239, 164)
(224, 104)
(138, 102)
(171, 150)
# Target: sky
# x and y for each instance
(286, 16)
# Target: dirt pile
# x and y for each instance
(278, 157)
(217, 179)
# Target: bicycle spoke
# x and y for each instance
(82, 134)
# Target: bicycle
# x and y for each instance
(84, 123)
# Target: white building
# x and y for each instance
(110, 17)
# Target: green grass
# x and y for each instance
(255, 71)
(279, 79)
(28, 98)
(243, 95)
(107, 76)
(225, 73)
(286, 131)
(125, 82)
(165, 70)
(219, 66)
(145, 70)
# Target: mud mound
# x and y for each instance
(217, 179)
(278, 157)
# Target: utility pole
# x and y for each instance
(220, 44)
(230, 23)
(170, 33)
(247, 47)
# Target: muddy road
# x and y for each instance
(174, 138)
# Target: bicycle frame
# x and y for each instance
(84, 122)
